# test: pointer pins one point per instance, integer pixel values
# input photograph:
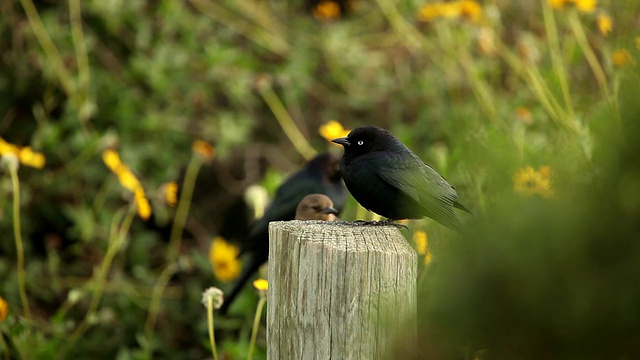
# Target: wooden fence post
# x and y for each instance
(339, 291)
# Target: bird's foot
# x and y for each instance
(387, 222)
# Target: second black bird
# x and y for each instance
(385, 177)
(320, 175)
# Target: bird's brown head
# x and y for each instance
(316, 207)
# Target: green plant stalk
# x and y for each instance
(286, 122)
(116, 239)
(82, 94)
(13, 169)
(48, 46)
(212, 338)
(244, 27)
(592, 59)
(256, 324)
(175, 240)
(3, 346)
(556, 55)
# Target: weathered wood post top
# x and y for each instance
(339, 291)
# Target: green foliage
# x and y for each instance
(527, 85)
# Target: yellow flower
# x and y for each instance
(422, 245)
(143, 206)
(605, 25)
(531, 182)
(524, 114)
(261, 285)
(170, 191)
(557, 4)
(332, 130)
(429, 12)
(585, 5)
(129, 181)
(4, 309)
(326, 10)
(621, 58)
(25, 154)
(223, 257)
(204, 149)
(471, 10)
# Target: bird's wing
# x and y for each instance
(423, 184)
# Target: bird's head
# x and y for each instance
(366, 139)
(316, 207)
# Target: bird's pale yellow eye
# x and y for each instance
(360, 142)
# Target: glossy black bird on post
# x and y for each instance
(385, 177)
(316, 207)
(321, 175)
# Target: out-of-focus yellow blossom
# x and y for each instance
(528, 181)
(261, 285)
(142, 204)
(586, 6)
(25, 155)
(621, 58)
(326, 10)
(223, 257)
(422, 245)
(4, 309)
(605, 24)
(204, 149)
(170, 191)
(128, 180)
(524, 114)
(332, 130)
(487, 41)
(466, 9)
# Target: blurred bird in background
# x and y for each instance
(321, 175)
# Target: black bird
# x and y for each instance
(321, 175)
(385, 177)
(316, 207)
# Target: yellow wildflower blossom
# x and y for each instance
(223, 257)
(585, 5)
(142, 204)
(466, 9)
(332, 130)
(4, 309)
(605, 24)
(128, 180)
(420, 239)
(204, 149)
(326, 10)
(261, 285)
(471, 10)
(531, 182)
(621, 58)
(170, 191)
(25, 155)
(422, 245)
(524, 115)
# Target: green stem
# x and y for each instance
(173, 249)
(49, 47)
(256, 324)
(212, 338)
(13, 169)
(556, 55)
(116, 240)
(286, 122)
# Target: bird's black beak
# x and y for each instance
(342, 141)
(330, 210)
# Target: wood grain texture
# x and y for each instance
(339, 291)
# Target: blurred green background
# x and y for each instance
(529, 108)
